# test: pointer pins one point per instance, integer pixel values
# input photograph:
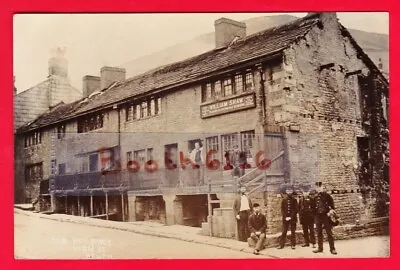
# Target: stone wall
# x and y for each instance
(318, 101)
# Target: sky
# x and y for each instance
(96, 40)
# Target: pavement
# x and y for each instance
(378, 246)
(39, 238)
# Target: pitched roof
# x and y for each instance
(264, 43)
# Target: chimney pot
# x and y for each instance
(58, 64)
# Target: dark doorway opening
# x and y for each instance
(364, 161)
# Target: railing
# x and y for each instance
(256, 179)
(176, 180)
(161, 180)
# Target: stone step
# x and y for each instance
(205, 228)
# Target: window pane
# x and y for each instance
(209, 91)
(228, 143)
(159, 105)
(128, 156)
(249, 81)
(248, 142)
(129, 113)
(143, 112)
(148, 108)
(93, 163)
(150, 154)
(156, 107)
(239, 83)
(228, 87)
(139, 156)
(217, 89)
(212, 144)
(138, 111)
(152, 107)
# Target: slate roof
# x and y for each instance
(264, 43)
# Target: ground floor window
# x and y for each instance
(93, 162)
(229, 143)
(34, 172)
(171, 155)
(248, 142)
(139, 155)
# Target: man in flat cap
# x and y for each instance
(323, 206)
(289, 208)
(257, 227)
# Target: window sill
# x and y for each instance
(91, 131)
(228, 97)
(140, 119)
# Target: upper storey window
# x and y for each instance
(229, 85)
(90, 122)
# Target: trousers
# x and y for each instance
(308, 229)
(243, 226)
(285, 227)
(322, 222)
(257, 241)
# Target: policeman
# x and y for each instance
(307, 216)
(323, 205)
(289, 208)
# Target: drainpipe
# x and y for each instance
(262, 92)
(119, 124)
(117, 107)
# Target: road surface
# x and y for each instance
(38, 238)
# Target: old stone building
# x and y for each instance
(32, 102)
(41, 98)
(302, 101)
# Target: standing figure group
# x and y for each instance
(314, 208)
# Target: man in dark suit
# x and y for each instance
(257, 227)
(323, 206)
(289, 208)
(307, 216)
(242, 207)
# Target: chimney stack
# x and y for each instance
(58, 64)
(90, 84)
(226, 30)
(109, 75)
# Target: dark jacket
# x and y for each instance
(323, 203)
(257, 223)
(236, 204)
(306, 208)
(289, 207)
